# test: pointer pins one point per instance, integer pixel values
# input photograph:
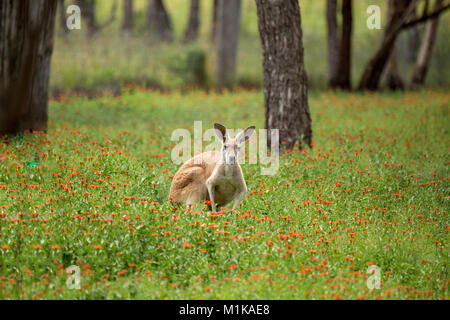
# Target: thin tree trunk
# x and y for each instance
(158, 20)
(62, 17)
(413, 41)
(87, 8)
(92, 26)
(26, 45)
(393, 79)
(373, 70)
(345, 47)
(128, 17)
(214, 21)
(285, 81)
(425, 52)
(333, 43)
(392, 76)
(229, 16)
(193, 23)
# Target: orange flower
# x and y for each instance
(233, 266)
(122, 272)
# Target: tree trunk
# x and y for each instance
(413, 41)
(128, 17)
(333, 43)
(373, 70)
(285, 81)
(87, 8)
(214, 21)
(62, 17)
(413, 44)
(345, 48)
(392, 76)
(229, 16)
(425, 52)
(26, 45)
(393, 79)
(193, 23)
(339, 53)
(158, 20)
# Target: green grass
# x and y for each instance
(110, 59)
(93, 193)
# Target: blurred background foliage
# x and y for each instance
(111, 59)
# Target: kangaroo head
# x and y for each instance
(231, 148)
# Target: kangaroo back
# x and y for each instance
(188, 184)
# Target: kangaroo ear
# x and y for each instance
(245, 135)
(221, 131)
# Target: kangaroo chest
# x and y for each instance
(225, 191)
(227, 181)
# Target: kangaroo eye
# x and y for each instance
(225, 147)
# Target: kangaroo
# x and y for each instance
(212, 175)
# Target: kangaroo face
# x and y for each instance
(231, 151)
(231, 148)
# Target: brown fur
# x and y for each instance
(189, 181)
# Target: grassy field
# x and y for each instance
(111, 59)
(92, 193)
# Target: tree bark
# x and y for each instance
(26, 45)
(214, 21)
(333, 43)
(158, 20)
(193, 23)
(345, 47)
(128, 17)
(285, 81)
(229, 16)
(392, 76)
(425, 51)
(373, 70)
